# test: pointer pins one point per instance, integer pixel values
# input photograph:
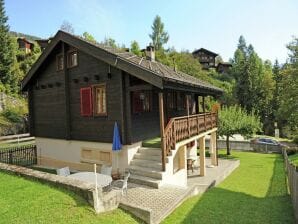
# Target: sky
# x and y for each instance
(214, 24)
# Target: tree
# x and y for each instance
(135, 48)
(87, 36)
(235, 120)
(26, 60)
(254, 83)
(110, 42)
(8, 63)
(288, 89)
(159, 37)
(67, 27)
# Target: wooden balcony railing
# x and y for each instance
(181, 128)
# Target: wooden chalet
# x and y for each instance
(77, 90)
(25, 44)
(205, 57)
(223, 67)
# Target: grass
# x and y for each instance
(152, 143)
(12, 145)
(294, 159)
(24, 201)
(256, 192)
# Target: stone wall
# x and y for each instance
(246, 146)
(106, 200)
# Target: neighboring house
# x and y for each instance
(77, 90)
(223, 67)
(205, 57)
(43, 43)
(25, 44)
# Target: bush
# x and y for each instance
(295, 140)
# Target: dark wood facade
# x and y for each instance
(55, 95)
(205, 57)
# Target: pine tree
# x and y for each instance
(8, 64)
(159, 37)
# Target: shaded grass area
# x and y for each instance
(152, 143)
(294, 159)
(256, 192)
(24, 201)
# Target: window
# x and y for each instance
(171, 100)
(86, 101)
(141, 101)
(181, 101)
(72, 59)
(60, 62)
(100, 107)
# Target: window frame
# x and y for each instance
(95, 113)
(146, 93)
(70, 52)
(57, 62)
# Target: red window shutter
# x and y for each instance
(86, 101)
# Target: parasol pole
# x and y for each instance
(96, 190)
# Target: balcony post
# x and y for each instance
(162, 137)
(187, 107)
(204, 113)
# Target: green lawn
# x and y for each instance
(24, 201)
(294, 159)
(256, 192)
(12, 145)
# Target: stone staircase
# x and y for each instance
(146, 167)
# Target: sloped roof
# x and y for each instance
(206, 51)
(153, 72)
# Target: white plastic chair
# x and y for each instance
(106, 170)
(124, 184)
(63, 171)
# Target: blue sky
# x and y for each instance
(216, 25)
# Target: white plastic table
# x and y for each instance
(102, 180)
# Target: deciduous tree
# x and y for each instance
(135, 48)
(235, 120)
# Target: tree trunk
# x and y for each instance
(228, 145)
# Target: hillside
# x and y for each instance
(27, 36)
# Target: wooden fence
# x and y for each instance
(16, 138)
(21, 155)
(292, 174)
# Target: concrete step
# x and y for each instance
(147, 181)
(146, 163)
(150, 151)
(145, 171)
(149, 157)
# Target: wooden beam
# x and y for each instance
(140, 87)
(66, 94)
(31, 111)
(187, 109)
(202, 156)
(161, 122)
(127, 109)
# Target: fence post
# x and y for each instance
(10, 157)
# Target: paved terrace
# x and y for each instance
(153, 205)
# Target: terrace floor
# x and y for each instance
(153, 205)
